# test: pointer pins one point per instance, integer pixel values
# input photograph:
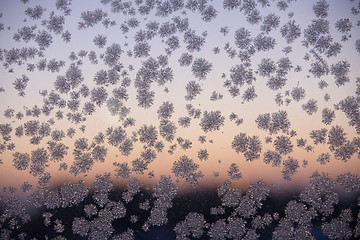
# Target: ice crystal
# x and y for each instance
(113, 98)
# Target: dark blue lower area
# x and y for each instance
(200, 202)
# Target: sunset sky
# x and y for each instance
(13, 17)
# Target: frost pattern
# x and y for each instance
(130, 119)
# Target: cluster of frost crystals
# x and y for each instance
(39, 158)
(212, 121)
(321, 194)
(290, 31)
(298, 93)
(14, 213)
(123, 170)
(272, 157)
(132, 188)
(20, 84)
(339, 228)
(193, 41)
(167, 130)
(73, 193)
(185, 59)
(192, 226)
(283, 145)
(193, 89)
(186, 168)
(159, 43)
(340, 71)
(297, 222)
(164, 191)
(350, 106)
(98, 224)
(310, 107)
(349, 181)
(203, 154)
(328, 116)
(21, 160)
(291, 166)
(234, 172)
(323, 158)
(247, 205)
(319, 136)
(249, 146)
(274, 122)
(165, 110)
(200, 68)
(85, 156)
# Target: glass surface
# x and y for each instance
(177, 119)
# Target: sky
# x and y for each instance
(221, 154)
